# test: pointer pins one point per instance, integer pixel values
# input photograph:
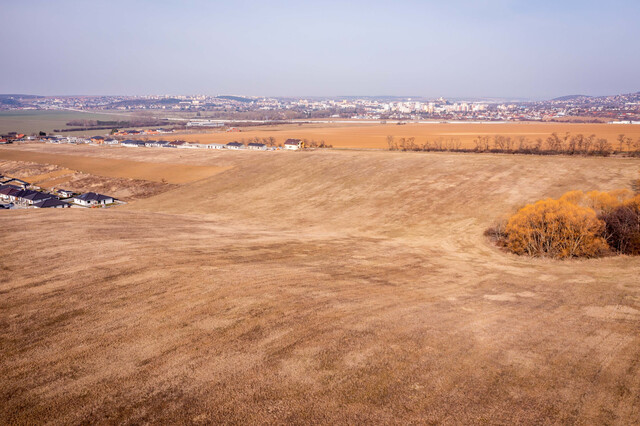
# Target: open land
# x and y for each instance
(30, 121)
(374, 135)
(306, 287)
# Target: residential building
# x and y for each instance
(293, 144)
(93, 199)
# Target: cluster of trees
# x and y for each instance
(577, 224)
(555, 144)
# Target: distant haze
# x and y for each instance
(460, 48)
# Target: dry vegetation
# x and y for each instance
(316, 287)
(577, 224)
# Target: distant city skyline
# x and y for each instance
(461, 50)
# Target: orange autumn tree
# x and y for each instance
(556, 228)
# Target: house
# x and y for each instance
(190, 145)
(257, 146)
(65, 194)
(51, 203)
(7, 192)
(132, 144)
(293, 144)
(111, 142)
(214, 146)
(36, 197)
(176, 144)
(20, 195)
(97, 139)
(235, 145)
(92, 199)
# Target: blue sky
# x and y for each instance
(458, 48)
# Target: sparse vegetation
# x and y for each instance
(555, 144)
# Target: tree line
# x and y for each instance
(555, 144)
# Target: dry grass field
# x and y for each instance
(374, 135)
(117, 168)
(314, 287)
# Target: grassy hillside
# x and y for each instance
(333, 287)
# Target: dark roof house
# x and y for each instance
(91, 198)
(51, 203)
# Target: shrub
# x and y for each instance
(555, 228)
(622, 228)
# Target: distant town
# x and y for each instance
(209, 111)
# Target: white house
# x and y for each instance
(235, 145)
(214, 146)
(257, 146)
(93, 199)
(64, 193)
(293, 144)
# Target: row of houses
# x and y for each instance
(18, 192)
(290, 144)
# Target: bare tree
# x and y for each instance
(620, 142)
(391, 142)
(603, 147)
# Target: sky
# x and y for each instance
(458, 48)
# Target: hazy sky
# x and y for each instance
(456, 48)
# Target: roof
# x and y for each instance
(292, 142)
(234, 144)
(256, 144)
(23, 193)
(92, 196)
(37, 196)
(9, 186)
(50, 202)
(9, 191)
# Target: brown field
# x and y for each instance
(315, 287)
(112, 167)
(374, 135)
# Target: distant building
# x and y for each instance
(51, 203)
(235, 145)
(93, 199)
(214, 146)
(132, 144)
(293, 144)
(35, 197)
(190, 146)
(65, 194)
(257, 146)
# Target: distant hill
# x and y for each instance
(235, 98)
(19, 96)
(571, 98)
